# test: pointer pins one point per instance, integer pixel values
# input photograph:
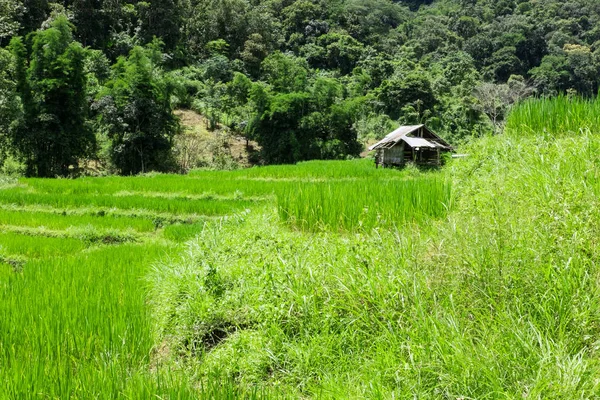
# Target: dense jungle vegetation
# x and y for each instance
(94, 82)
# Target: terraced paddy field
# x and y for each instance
(324, 280)
(75, 256)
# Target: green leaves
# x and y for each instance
(52, 83)
(136, 112)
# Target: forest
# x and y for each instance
(96, 81)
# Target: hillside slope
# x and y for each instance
(499, 299)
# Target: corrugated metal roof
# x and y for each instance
(394, 137)
(402, 134)
(420, 142)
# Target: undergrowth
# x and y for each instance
(499, 299)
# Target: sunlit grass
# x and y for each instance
(21, 197)
(556, 116)
(365, 204)
(38, 246)
(74, 254)
(76, 327)
(59, 221)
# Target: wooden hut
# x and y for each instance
(415, 143)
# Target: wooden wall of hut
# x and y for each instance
(394, 155)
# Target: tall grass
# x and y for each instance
(556, 116)
(363, 204)
(77, 327)
(499, 299)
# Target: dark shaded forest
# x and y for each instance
(307, 79)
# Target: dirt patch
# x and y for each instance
(197, 146)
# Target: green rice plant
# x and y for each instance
(157, 219)
(227, 185)
(365, 204)
(210, 185)
(311, 171)
(89, 234)
(555, 116)
(38, 246)
(21, 197)
(182, 232)
(6, 269)
(58, 221)
(77, 327)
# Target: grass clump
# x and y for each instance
(555, 116)
(365, 204)
(183, 232)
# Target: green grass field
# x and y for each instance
(323, 280)
(75, 256)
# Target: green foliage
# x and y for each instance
(285, 73)
(413, 62)
(213, 20)
(413, 90)
(300, 126)
(51, 82)
(337, 52)
(161, 19)
(10, 13)
(136, 114)
(575, 68)
(10, 104)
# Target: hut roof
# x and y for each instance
(403, 134)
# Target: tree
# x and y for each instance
(10, 14)
(52, 86)
(370, 20)
(341, 52)
(161, 19)
(36, 12)
(216, 19)
(10, 104)
(136, 114)
(278, 132)
(285, 72)
(495, 100)
(255, 51)
(414, 90)
(552, 75)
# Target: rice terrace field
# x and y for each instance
(319, 280)
(74, 255)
